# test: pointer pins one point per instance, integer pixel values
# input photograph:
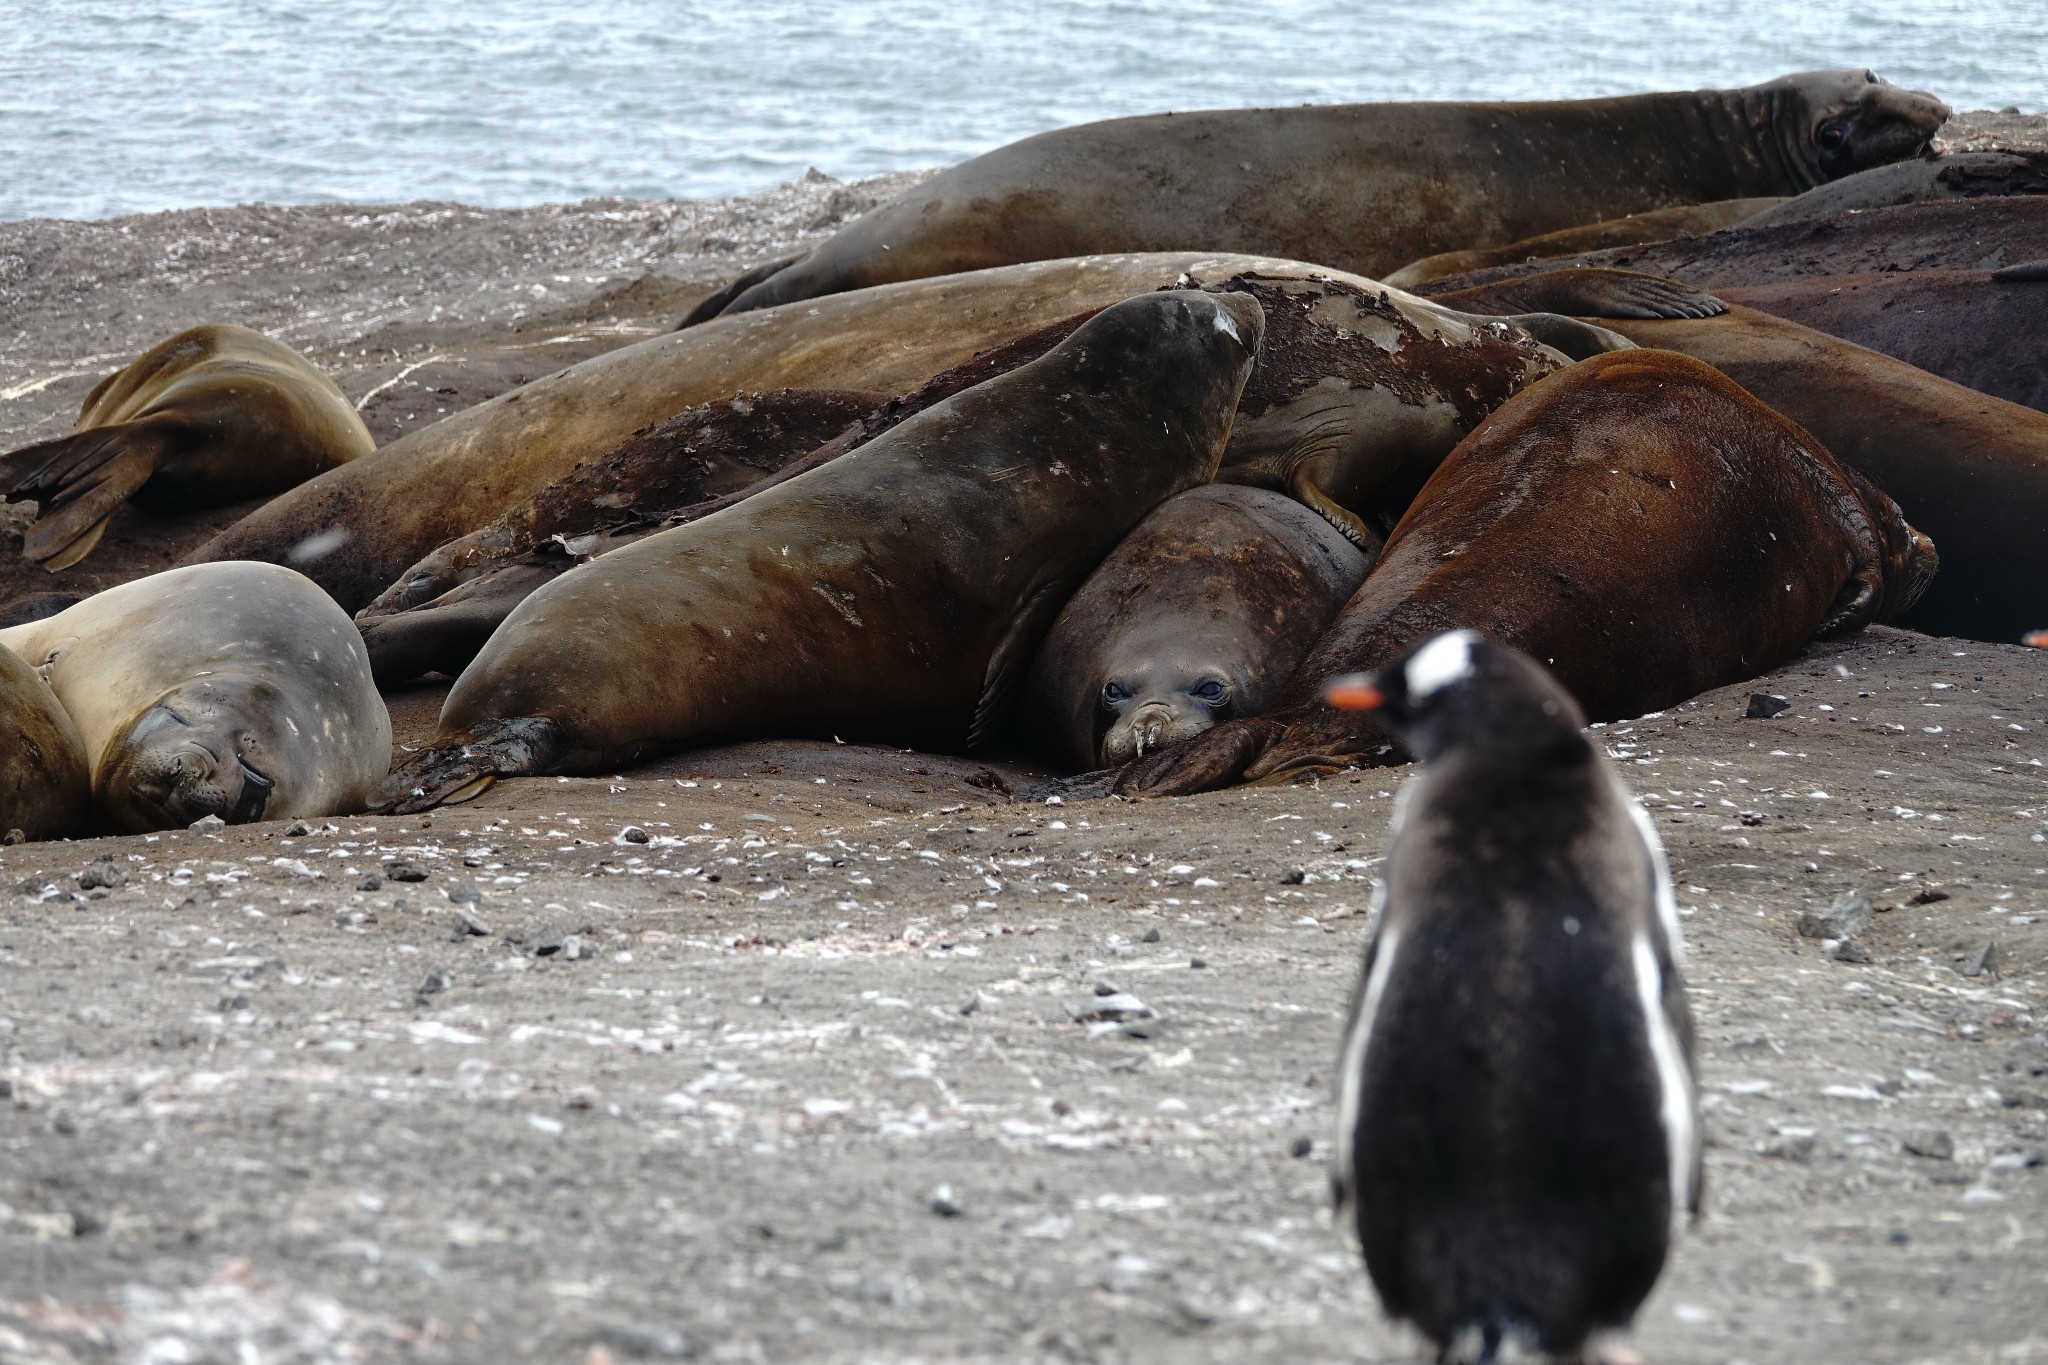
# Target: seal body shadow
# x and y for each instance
(894, 593)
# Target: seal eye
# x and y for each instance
(1209, 690)
(1834, 135)
(1114, 692)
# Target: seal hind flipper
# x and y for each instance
(80, 480)
(2026, 272)
(711, 306)
(1590, 292)
(446, 773)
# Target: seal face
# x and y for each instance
(1199, 615)
(42, 758)
(237, 690)
(1360, 187)
(896, 592)
(1638, 523)
(213, 415)
(1517, 1136)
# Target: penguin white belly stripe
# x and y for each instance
(1674, 1082)
(1355, 1045)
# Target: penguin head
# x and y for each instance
(1460, 688)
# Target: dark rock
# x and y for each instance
(633, 834)
(550, 942)
(1197, 963)
(103, 871)
(372, 882)
(405, 872)
(1849, 950)
(1933, 1143)
(13, 837)
(1293, 878)
(464, 894)
(1301, 1147)
(1762, 706)
(298, 829)
(1928, 895)
(436, 982)
(1151, 935)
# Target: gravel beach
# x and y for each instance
(794, 1051)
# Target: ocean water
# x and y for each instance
(124, 106)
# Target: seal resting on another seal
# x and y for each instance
(1637, 523)
(237, 690)
(897, 592)
(1199, 615)
(1361, 187)
(42, 759)
(213, 415)
(1658, 225)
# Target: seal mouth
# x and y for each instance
(1150, 727)
(168, 772)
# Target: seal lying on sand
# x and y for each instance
(237, 690)
(1658, 225)
(1201, 614)
(1361, 187)
(896, 592)
(1638, 524)
(214, 415)
(1358, 391)
(42, 759)
(1968, 469)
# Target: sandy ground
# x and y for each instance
(810, 1073)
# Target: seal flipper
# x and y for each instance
(1586, 292)
(456, 772)
(80, 480)
(716, 303)
(1011, 657)
(2026, 272)
(1302, 487)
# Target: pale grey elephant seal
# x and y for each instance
(1198, 616)
(214, 415)
(1362, 187)
(42, 759)
(897, 592)
(237, 690)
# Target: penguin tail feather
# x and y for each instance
(1494, 1339)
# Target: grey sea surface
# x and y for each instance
(110, 108)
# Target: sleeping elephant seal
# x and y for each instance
(43, 785)
(1200, 615)
(214, 415)
(897, 592)
(1362, 187)
(1658, 225)
(1638, 524)
(1968, 469)
(237, 690)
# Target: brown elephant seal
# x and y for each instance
(1198, 616)
(237, 690)
(213, 415)
(1657, 225)
(43, 788)
(1358, 391)
(355, 529)
(897, 592)
(1918, 180)
(1955, 234)
(1363, 187)
(1984, 332)
(1968, 469)
(1638, 524)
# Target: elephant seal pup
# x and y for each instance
(1968, 469)
(1363, 187)
(356, 529)
(237, 690)
(897, 592)
(1638, 524)
(1658, 225)
(43, 786)
(214, 415)
(1200, 615)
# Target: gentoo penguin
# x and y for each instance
(1516, 1137)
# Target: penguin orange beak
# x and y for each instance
(1353, 693)
(2037, 639)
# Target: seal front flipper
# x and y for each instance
(1011, 657)
(1304, 488)
(719, 301)
(80, 480)
(452, 773)
(1586, 292)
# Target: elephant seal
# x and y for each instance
(897, 592)
(237, 690)
(357, 528)
(213, 415)
(1956, 234)
(1199, 615)
(1984, 332)
(1969, 469)
(1638, 524)
(1658, 225)
(1954, 175)
(43, 785)
(1362, 187)
(1358, 391)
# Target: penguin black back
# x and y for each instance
(1516, 1127)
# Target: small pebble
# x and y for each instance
(1301, 1147)
(436, 982)
(1849, 950)
(465, 894)
(371, 882)
(1928, 895)
(1197, 963)
(13, 837)
(943, 1203)
(1847, 917)
(1975, 964)
(633, 834)
(1933, 1143)
(550, 942)
(298, 829)
(207, 824)
(1763, 706)
(101, 872)
(405, 872)
(467, 925)
(1151, 935)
